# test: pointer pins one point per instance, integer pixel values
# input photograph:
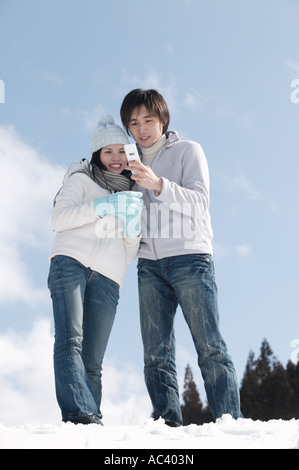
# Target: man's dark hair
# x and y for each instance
(151, 99)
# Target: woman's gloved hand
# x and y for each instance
(123, 204)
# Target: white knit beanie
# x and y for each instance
(107, 133)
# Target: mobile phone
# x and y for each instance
(132, 153)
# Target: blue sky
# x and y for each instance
(226, 69)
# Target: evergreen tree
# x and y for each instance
(264, 394)
(266, 390)
(192, 409)
(282, 394)
(292, 371)
(248, 389)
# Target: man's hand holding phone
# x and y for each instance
(142, 174)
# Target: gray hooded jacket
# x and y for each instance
(177, 221)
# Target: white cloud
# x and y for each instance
(213, 102)
(26, 376)
(293, 67)
(28, 390)
(50, 77)
(166, 85)
(241, 250)
(125, 399)
(170, 49)
(193, 101)
(241, 183)
(28, 184)
(90, 118)
(87, 119)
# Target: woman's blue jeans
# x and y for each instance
(187, 280)
(84, 306)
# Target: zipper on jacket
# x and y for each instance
(165, 146)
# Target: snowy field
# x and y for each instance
(226, 433)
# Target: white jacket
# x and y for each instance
(98, 244)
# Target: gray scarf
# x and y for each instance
(107, 180)
(111, 181)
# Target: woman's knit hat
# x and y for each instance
(107, 133)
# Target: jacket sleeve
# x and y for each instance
(192, 190)
(69, 211)
(131, 248)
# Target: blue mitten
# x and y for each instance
(122, 204)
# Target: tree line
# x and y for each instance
(268, 391)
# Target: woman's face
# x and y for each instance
(114, 158)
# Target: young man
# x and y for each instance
(175, 264)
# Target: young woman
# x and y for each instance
(175, 264)
(89, 259)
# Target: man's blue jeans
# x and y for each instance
(187, 280)
(84, 306)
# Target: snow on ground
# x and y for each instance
(226, 433)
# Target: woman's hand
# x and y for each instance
(145, 176)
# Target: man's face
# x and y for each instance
(145, 128)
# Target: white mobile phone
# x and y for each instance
(132, 153)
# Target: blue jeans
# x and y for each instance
(84, 306)
(187, 280)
